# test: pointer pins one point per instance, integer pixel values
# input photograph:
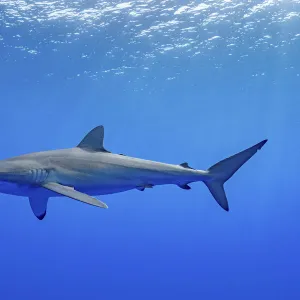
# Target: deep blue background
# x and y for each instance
(164, 243)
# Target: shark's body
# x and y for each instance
(89, 169)
(97, 173)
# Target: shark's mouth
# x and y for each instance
(12, 188)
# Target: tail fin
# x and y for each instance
(223, 170)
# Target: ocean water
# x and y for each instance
(171, 81)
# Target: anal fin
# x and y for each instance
(184, 186)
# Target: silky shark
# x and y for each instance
(89, 170)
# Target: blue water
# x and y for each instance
(171, 81)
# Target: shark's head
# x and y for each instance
(12, 171)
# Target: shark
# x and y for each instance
(89, 170)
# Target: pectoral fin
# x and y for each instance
(38, 206)
(71, 193)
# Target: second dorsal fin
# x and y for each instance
(93, 141)
(186, 165)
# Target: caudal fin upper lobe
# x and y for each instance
(224, 169)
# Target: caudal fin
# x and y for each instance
(223, 170)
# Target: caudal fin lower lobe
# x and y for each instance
(224, 169)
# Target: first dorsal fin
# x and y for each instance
(93, 141)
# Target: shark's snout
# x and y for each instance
(11, 172)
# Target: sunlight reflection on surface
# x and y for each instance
(134, 34)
